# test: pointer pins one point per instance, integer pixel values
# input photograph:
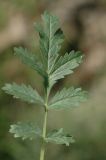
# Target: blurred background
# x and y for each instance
(84, 26)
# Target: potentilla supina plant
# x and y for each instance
(52, 67)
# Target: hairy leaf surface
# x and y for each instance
(51, 38)
(30, 60)
(25, 130)
(59, 137)
(25, 93)
(67, 98)
(64, 66)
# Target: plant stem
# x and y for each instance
(42, 152)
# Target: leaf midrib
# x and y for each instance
(49, 43)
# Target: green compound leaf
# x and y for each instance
(59, 137)
(23, 92)
(51, 38)
(64, 66)
(51, 67)
(25, 130)
(30, 60)
(67, 98)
